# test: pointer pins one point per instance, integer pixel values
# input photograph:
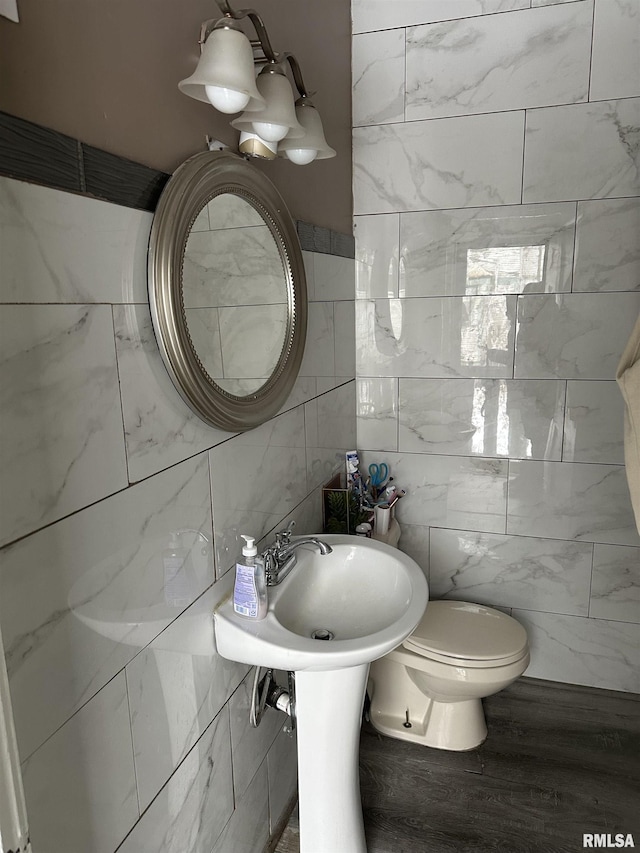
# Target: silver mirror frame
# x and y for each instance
(195, 183)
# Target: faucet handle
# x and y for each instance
(283, 537)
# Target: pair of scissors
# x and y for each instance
(378, 474)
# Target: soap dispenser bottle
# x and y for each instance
(250, 589)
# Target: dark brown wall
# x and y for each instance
(106, 73)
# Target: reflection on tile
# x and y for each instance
(582, 151)
(331, 431)
(344, 316)
(192, 809)
(230, 211)
(571, 501)
(513, 571)
(448, 491)
(203, 325)
(248, 828)
(251, 338)
(374, 15)
(377, 64)
(414, 541)
(257, 478)
(615, 62)
(377, 413)
(319, 354)
(574, 335)
(483, 417)
(244, 263)
(60, 416)
(250, 745)
(438, 337)
(607, 245)
(499, 62)
(615, 588)
(456, 162)
(334, 277)
(80, 598)
(376, 255)
(282, 765)
(593, 429)
(61, 247)
(80, 785)
(160, 429)
(487, 250)
(576, 650)
(176, 687)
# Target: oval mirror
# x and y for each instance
(227, 290)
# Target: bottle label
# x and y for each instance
(245, 594)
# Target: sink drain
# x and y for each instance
(322, 634)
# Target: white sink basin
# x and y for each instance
(369, 596)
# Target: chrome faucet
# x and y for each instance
(280, 558)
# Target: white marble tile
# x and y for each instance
(175, 690)
(593, 429)
(456, 162)
(576, 650)
(344, 317)
(192, 809)
(81, 597)
(481, 417)
(319, 351)
(160, 429)
(448, 491)
(307, 260)
(61, 247)
(607, 246)
(247, 831)
(531, 58)
(377, 240)
(535, 3)
(438, 337)
(615, 62)
(257, 478)
(377, 73)
(377, 15)
(582, 151)
(203, 325)
(331, 431)
(251, 338)
(573, 335)
(250, 745)
(80, 785)
(282, 765)
(615, 588)
(60, 414)
(563, 500)
(487, 250)
(244, 263)
(230, 211)
(512, 571)
(377, 413)
(334, 277)
(414, 541)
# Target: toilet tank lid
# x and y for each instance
(459, 629)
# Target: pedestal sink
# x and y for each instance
(364, 599)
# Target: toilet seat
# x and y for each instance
(462, 634)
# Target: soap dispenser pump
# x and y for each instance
(250, 589)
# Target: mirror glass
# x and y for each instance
(235, 294)
(227, 290)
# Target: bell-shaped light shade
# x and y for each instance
(313, 145)
(225, 75)
(278, 117)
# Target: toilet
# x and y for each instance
(429, 689)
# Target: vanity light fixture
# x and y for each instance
(271, 124)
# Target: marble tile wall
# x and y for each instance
(121, 515)
(497, 223)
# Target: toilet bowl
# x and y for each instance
(429, 689)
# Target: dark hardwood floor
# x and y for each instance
(559, 761)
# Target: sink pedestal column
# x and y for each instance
(329, 714)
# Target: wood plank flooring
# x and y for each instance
(559, 761)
